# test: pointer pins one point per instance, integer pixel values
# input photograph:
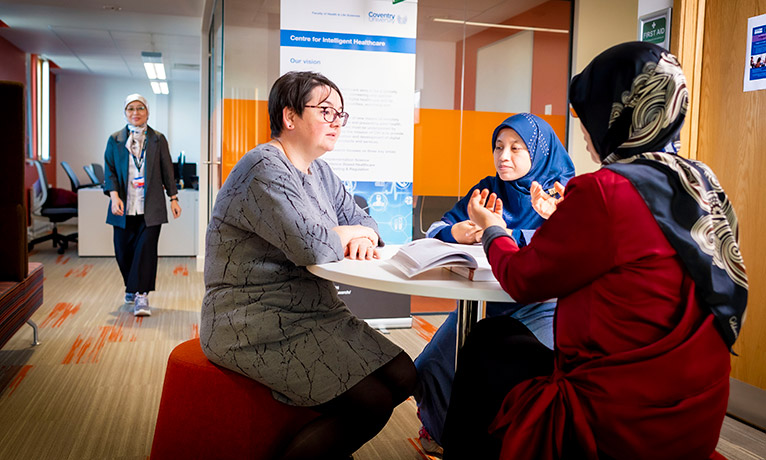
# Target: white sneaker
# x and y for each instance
(142, 305)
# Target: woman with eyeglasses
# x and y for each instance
(137, 170)
(264, 314)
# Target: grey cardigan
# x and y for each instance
(158, 172)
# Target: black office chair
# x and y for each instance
(55, 204)
(95, 173)
(73, 180)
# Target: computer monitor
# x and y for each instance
(189, 174)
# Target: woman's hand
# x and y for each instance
(349, 232)
(175, 208)
(466, 232)
(544, 204)
(361, 248)
(118, 208)
(485, 209)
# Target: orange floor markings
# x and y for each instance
(62, 260)
(19, 377)
(60, 312)
(181, 269)
(423, 328)
(79, 272)
(88, 350)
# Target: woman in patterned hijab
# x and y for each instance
(644, 260)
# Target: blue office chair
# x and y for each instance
(56, 205)
(73, 180)
(95, 173)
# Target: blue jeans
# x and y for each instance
(436, 364)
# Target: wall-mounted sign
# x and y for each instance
(655, 28)
(755, 59)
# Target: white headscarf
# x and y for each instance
(137, 133)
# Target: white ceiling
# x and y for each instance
(106, 37)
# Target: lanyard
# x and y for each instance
(140, 163)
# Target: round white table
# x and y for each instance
(379, 275)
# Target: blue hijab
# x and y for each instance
(550, 163)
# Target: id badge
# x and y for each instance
(138, 182)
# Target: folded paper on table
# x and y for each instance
(428, 253)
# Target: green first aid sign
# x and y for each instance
(655, 31)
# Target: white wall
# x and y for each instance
(251, 62)
(598, 25)
(435, 74)
(650, 6)
(504, 74)
(89, 109)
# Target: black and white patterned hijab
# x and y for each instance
(632, 100)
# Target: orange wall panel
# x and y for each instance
(245, 125)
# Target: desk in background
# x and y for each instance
(94, 236)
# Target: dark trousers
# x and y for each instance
(135, 247)
(499, 353)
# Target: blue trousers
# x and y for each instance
(436, 364)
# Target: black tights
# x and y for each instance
(356, 416)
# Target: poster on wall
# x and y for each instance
(368, 49)
(755, 59)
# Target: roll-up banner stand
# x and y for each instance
(367, 47)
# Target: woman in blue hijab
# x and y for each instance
(525, 150)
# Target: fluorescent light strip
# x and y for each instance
(164, 87)
(149, 67)
(155, 87)
(500, 26)
(159, 69)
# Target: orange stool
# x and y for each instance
(209, 412)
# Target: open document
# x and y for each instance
(428, 253)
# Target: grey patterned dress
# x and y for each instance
(264, 315)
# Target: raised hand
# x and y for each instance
(542, 202)
(485, 209)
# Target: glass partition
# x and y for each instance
(477, 62)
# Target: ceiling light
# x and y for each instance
(164, 87)
(155, 87)
(501, 26)
(159, 69)
(149, 67)
(153, 65)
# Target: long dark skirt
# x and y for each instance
(498, 354)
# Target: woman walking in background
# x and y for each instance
(137, 169)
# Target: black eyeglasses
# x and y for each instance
(330, 114)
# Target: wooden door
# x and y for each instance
(731, 138)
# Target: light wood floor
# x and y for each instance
(91, 389)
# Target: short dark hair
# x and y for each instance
(293, 90)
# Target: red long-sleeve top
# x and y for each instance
(641, 371)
